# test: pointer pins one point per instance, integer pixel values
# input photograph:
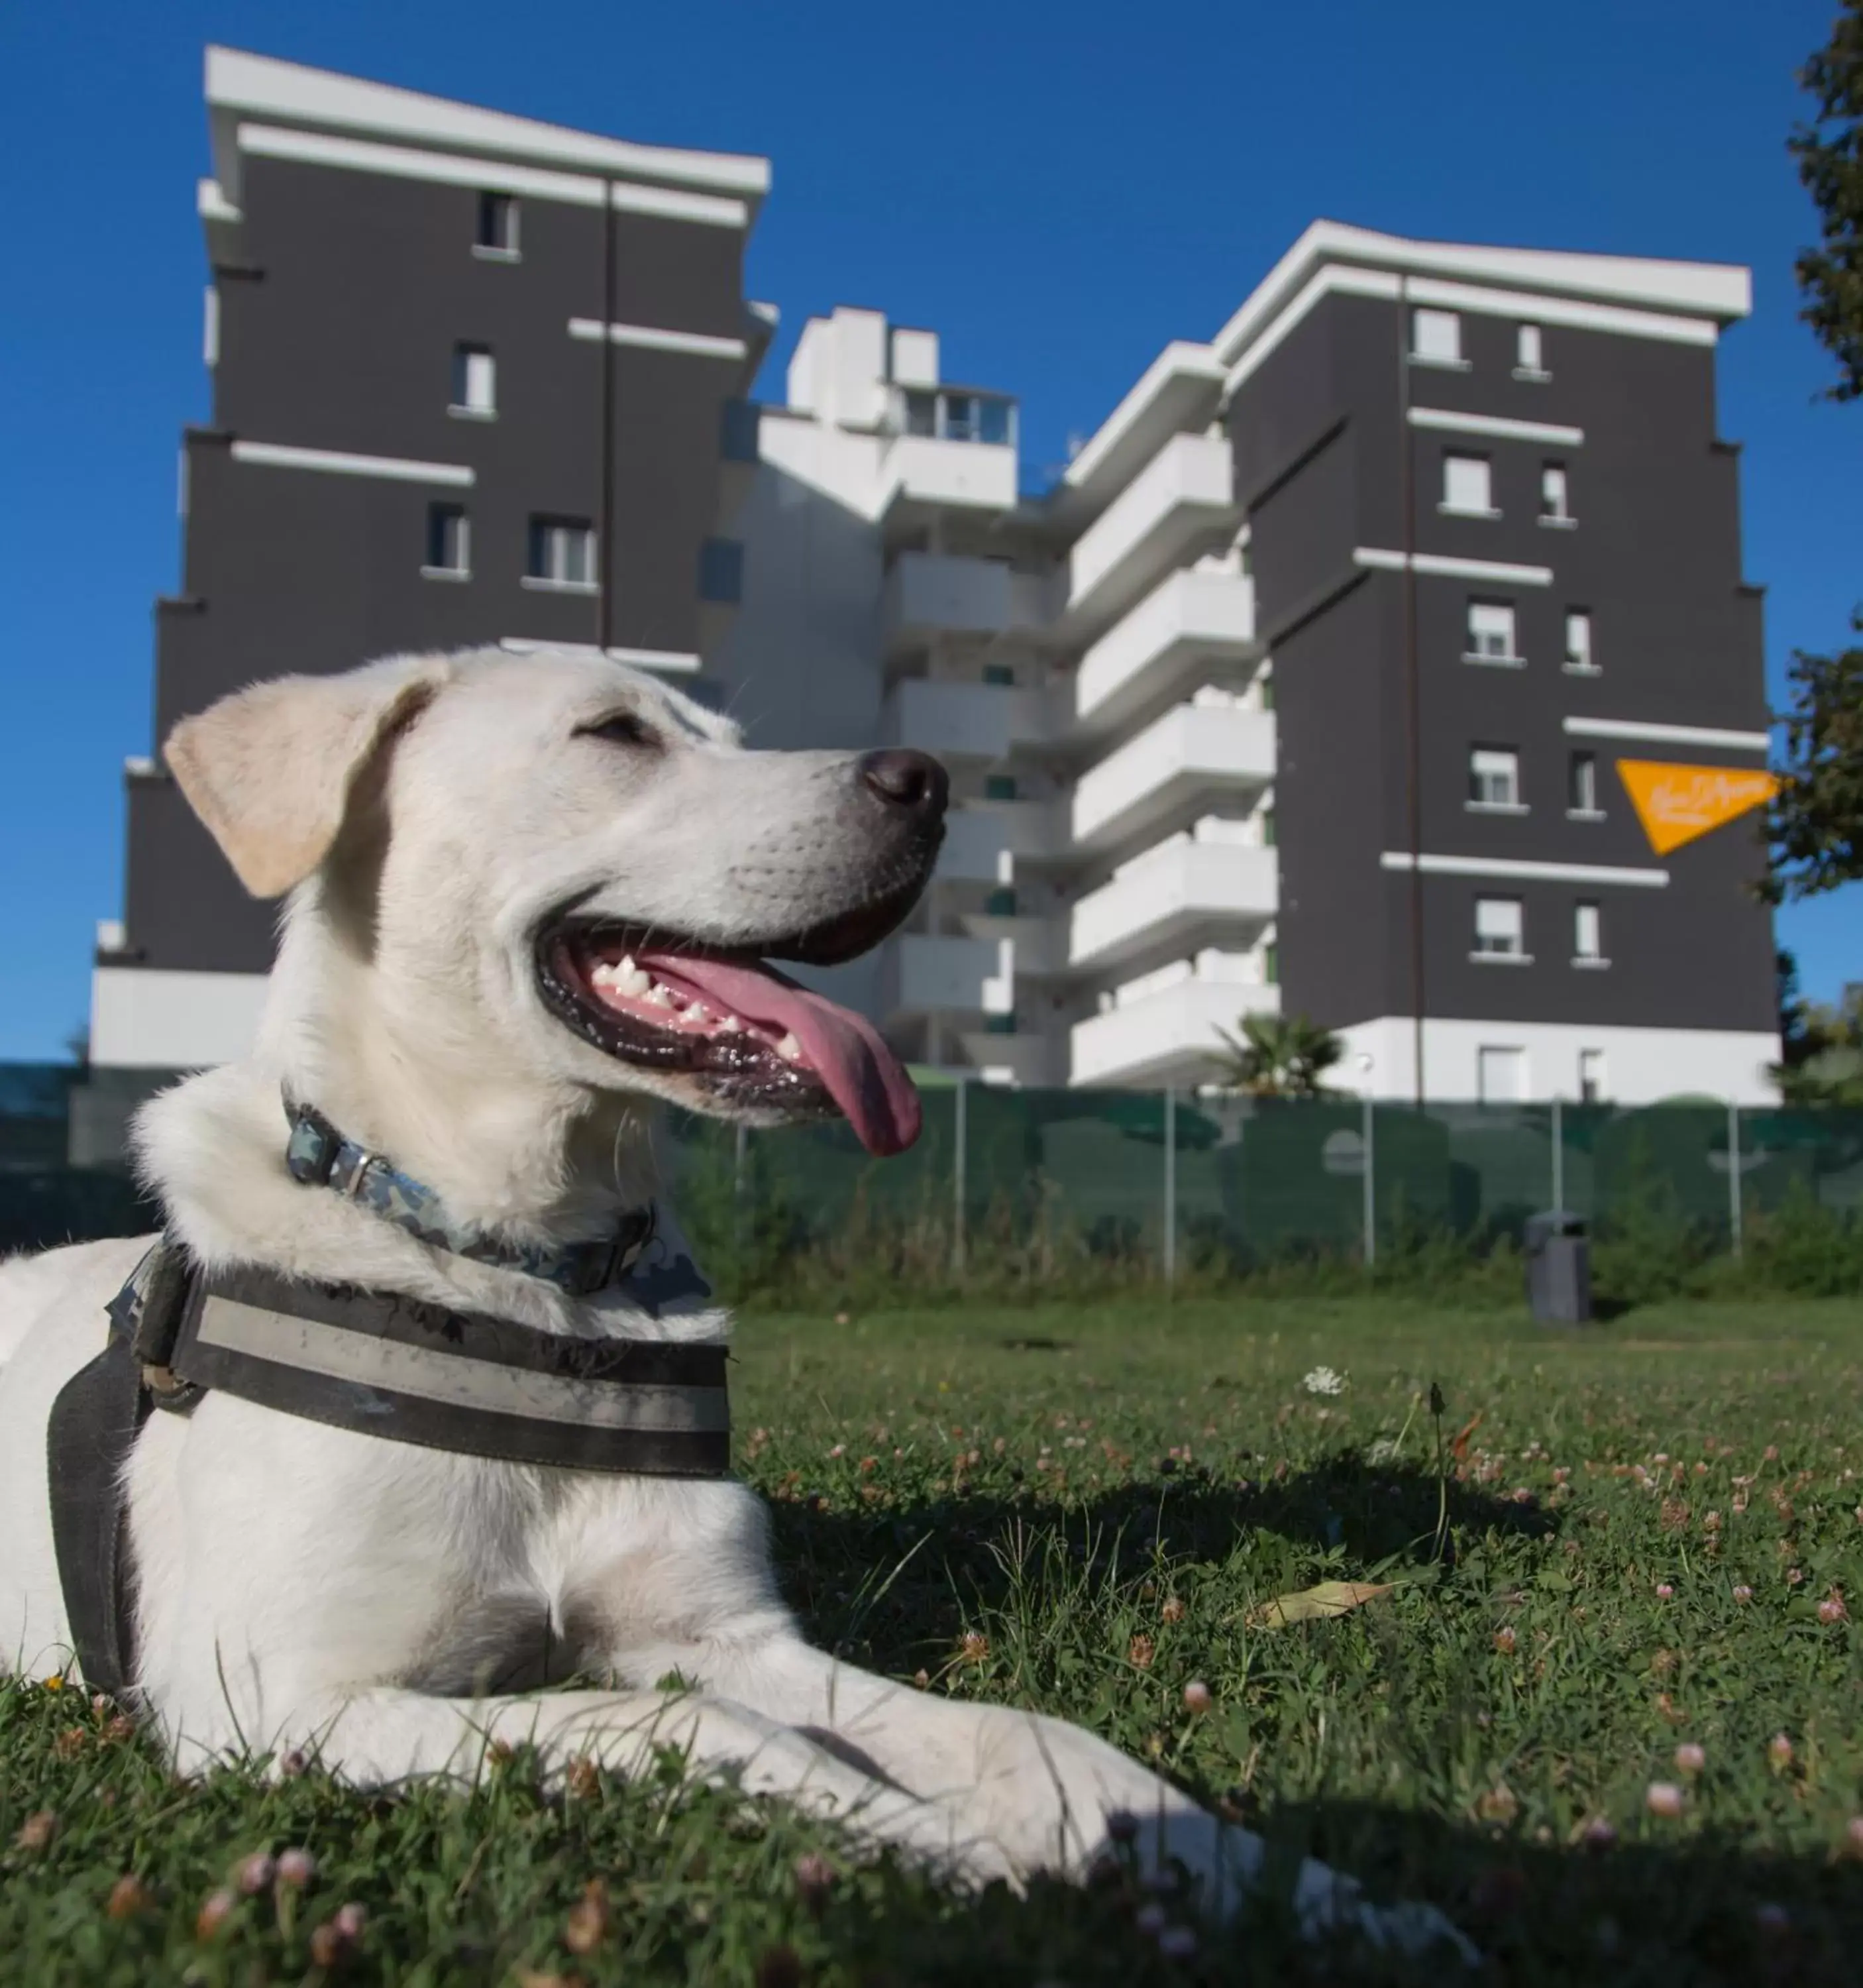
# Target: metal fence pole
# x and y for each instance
(1733, 1174)
(1558, 1153)
(959, 1115)
(1371, 1184)
(1171, 1185)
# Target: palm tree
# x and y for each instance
(1280, 1056)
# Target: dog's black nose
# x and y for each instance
(914, 781)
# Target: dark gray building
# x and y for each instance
(475, 380)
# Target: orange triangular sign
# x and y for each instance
(1677, 803)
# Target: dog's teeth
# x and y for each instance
(697, 1012)
(789, 1048)
(603, 975)
(631, 980)
(627, 963)
(729, 1025)
(657, 996)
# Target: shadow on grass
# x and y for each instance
(951, 1547)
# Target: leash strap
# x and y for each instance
(317, 1155)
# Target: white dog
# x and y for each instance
(527, 898)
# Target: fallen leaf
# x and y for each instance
(1459, 1448)
(1331, 1598)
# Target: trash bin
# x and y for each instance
(1558, 1268)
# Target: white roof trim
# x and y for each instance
(213, 206)
(1667, 735)
(1526, 871)
(261, 86)
(274, 141)
(1716, 292)
(669, 662)
(1500, 571)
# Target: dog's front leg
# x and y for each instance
(1051, 1796)
(389, 1736)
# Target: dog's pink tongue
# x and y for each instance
(863, 1076)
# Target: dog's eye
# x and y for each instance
(624, 728)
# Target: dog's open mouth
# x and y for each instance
(748, 1034)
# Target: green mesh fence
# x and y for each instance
(1048, 1177)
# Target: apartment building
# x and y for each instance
(475, 379)
(1385, 659)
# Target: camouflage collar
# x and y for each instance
(317, 1155)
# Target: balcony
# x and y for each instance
(1183, 500)
(739, 428)
(922, 475)
(928, 594)
(1169, 1037)
(720, 589)
(929, 973)
(984, 841)
(1171, 893)
(963, 721)
(1195, 628)
(1195, 749)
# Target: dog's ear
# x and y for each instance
(270, 769)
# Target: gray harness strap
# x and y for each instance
(377, 1363)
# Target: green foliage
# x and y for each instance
(1080, 1509)
(1822, 1047)
(1815, 822)
(1829, 150)
(1279, 1055)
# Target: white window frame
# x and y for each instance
(461, 520)
(1581, 788)
(1494, 780)
(510, 250)
(557, 537)
(1556, 512)
(1435, 339)
(1500, 932)
(1530, 353)
(475, 384)
(1491, 622)
(1592, 1079)
(1581, 660)
(1458, 467)
(1588, 933)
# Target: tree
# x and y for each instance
(1280, 1056)
(1815, 822)
(1830, 154)
(1822, 1048)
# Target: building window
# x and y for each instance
(1500, 1076)
(1268, 830)
(1468, 486)
(1579, 658)
(1491, 632)
(449, 543)
(562, 555)
(1555, 496)
(1494, 778)
(1529, 353)
(1000, 674)
(999, 1024)
(957, 416)
(1435, 338)
(999, 786)
(1587, 935)
(475, 377)
(497, 227)
(1581, 786)
(1270, 964)
(1591, 1076)
(1500, 928)
(1001, 902)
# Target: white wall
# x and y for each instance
(142, 1019)
(1642, 1065)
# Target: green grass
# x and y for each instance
(1078, 1509)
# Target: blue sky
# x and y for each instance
(1058, 188)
